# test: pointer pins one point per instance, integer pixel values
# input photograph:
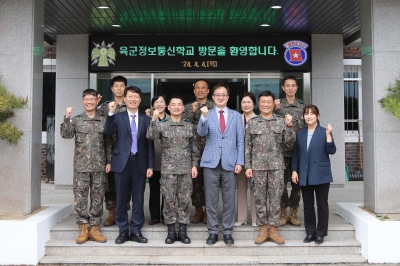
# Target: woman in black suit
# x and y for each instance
(159, 102)
(311, 168)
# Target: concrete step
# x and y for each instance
(336, 231)
(205, 260)
(68, 229)
(200, 248)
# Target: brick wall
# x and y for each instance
(43, 161)
(352, 159)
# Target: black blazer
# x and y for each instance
(119, 124)
(313, 166)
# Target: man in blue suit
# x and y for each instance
(132, 162)
(223, 157)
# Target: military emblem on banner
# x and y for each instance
(103, 55)
(295, 53)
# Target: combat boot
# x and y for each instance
(204, 217)
(182, 234)
(263, 236)
(83, 234)
(95, 234)
(171, 236)
(284, 216)
(274, 236)
(198, 217)
(293, 217)
(111, 218)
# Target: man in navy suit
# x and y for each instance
(132, 162)
(223, 157)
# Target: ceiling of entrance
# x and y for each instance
(198, 17)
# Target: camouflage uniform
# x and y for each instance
(264, 143)
(296, 111)
(198, 198)
(110, 196)
(179, 153)
(92, 153)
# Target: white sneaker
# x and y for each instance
(238, 223)
(254, 224)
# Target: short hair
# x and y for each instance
(206, 81)
(156, 97)
(266, 93)
(250, 95)
(220, 85)
(89, 92)
(119, 79)
(289, 77)
(175, 97)
(133, 89)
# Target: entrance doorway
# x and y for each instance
(184, 88)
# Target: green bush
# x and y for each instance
(391, 103)
(9, 102)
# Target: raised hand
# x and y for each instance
(204, 111)
(147, 112)
(111, 106)
(68, 112)
(277, 103)
(155, 115)
(195, 105)
(328, 129)
(99, 97)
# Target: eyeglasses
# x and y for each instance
(220, 95)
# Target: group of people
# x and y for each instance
(194, 152)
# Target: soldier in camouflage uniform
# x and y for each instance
(118, 85)
(92, 158)
(179, 162)
(294, 107)
(266, 137)
(192, 113)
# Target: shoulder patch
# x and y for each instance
(187, 120)
(301, 101)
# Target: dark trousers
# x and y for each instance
(154, 198)
(321, 195)
(131, 179)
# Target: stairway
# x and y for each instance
(339, 247)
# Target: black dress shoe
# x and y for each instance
(228, 239)
(122, 238)
(309, 238)
(138, 238)
(319, 240)
(212, 239)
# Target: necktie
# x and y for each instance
(222, 121)
(134, 135)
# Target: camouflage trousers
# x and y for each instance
(295, 195)
(268, 186)
(83, 182)
(176, 190)
(198, 197)
(110, 196)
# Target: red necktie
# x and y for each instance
(222, 121)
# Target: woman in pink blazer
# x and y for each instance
(247, 104)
